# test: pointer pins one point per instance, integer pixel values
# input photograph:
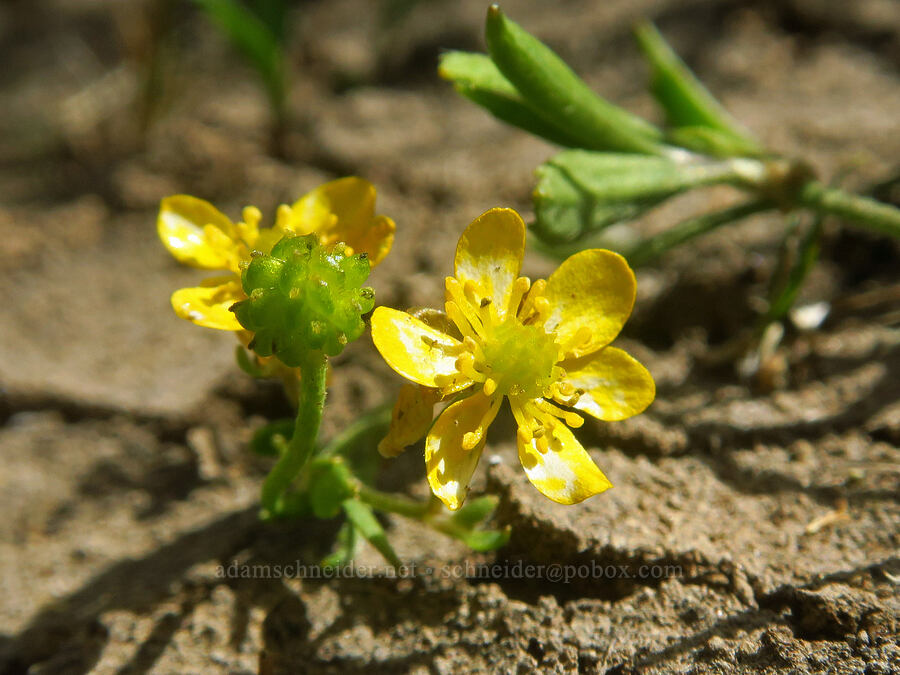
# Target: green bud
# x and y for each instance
(302, 297)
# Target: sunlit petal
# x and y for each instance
(343, 210)
(208, 305)
(417, 351)
(564, 473)
(590, 297)
(410, 420)
(196, 233)
(490, 253)
(454, 446)
(616, 386)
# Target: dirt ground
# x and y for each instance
(750, 530)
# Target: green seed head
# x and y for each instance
(304, 296)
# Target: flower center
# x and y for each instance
(519, 358)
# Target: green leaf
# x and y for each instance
(712, 142)
(805, 254)
(291, 505)
(358, 442)
(346, 544)
(270, 440)
(651, 248)
(684, 98)
(273, 13)
(485, 540)
(475, 511)
(254, 39)
(477, 78)
(364, 520)
(329, 485)
(245, 363)
(581, 192)
(559, 96)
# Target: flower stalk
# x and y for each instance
(298, 451)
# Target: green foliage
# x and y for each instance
(699, 120)
(799, 253)
(269, 440)
(464, 525)
(580, 192)
(477, 78)
(330, 485)
(559, 96)
(346, 543)
(618, 165)
(304, 297)
(363, 519)
(257, 30)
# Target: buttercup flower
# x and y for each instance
(198, 234)
(543, 346)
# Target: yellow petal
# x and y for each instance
(590, 297)
(410, 420)
(417, 351)
(375, 240)
(616, 386)
(565, 473)
(490, 252)
(208, 304)
(344, 210)
(196, 233)
(451, 454)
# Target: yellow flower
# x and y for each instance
(198, 234)
(540, 345)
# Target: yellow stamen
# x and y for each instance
(470, 440)
(454, 313)
(519, 289)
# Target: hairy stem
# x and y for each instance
(306, 430)
(869, 213)
(649, 249)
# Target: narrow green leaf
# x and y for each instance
(486, 540)
(581, 192)
(291, 505)
(477, 71)
(273, 13)
(346, 544)
(559, 96)
(475, 511)
(357, 443)
(270, 440)
(364, 520)
(245, 363)
(477, 78)
(805, 255)
(684, 98)
(329, 486)
(686, 230)
(254, 39)
(713, 142)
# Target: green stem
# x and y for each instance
(870, 213)
(694, 227)
(376, 419)
(306, 428)
(384, 501)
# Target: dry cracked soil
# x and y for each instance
(754, 525)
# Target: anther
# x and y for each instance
(251, 215)
(490, 386)
(519, 289)
(470, 440)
